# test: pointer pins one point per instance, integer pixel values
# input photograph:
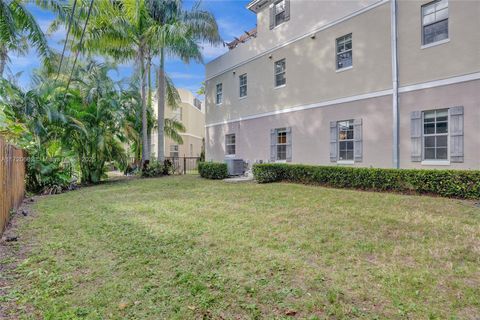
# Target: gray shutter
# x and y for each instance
(272, 16)
(273, 145)
(333, 141)
(456, 134)
(287, 10)
(289, 144)
(416, 135)
(358, 145)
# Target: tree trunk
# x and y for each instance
(149, 139)
(149, 102)
(161, 107)
(145, 146)
(3, 60)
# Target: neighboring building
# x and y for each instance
(327, 82)
(191, 114)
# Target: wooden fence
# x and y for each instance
(12, 180)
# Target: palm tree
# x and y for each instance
(94, 105)
(17, 22)
(177, 32)
(130, 103)
(119, 30)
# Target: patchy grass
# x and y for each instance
(183, 248)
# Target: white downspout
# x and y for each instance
(395, 144)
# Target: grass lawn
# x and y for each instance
(187, 248)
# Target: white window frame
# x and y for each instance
(351, 123)
(178, 114)
(279, 131)
(435, 21)
(344, 39)
(275, 14)
(243, 85)
(284, 72)
(219, 94)
(426, 161)
(174, 149)
(227, 144)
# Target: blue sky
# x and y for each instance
(232, 17)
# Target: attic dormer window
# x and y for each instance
(279, 13)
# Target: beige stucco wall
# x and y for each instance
(459, 56)
(194, 121)
(310, 134)
(306, 16)
(312, 79)
(191, 147)
(465, 94)
(310, 71)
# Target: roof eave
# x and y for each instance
(254, 5)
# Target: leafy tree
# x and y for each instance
(17, 28)
(177, 32)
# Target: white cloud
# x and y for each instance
(24, 61)
(229, 28)
(60, 33)
(211, 52)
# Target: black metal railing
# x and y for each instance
(184, 165)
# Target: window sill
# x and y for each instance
(344, 69)
(219, 104)
(280, 161)
(345, 162)
(241, 98)
(229, 156)
(280, 87)
(426, 46)
(278, 25)
(435, 163)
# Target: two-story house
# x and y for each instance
(191, 114)
(371, 83)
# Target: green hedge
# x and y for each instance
(213, 170)
(446, 183)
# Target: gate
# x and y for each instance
(184, 165)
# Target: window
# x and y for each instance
(230, 144)
(280, 68)
(345, 140)
(197, 103)
(435, 134)
(243, 85)
(344, 52)
(174, 150)
(177, 114)
(191, 150)
(279, 12)
(219, 94)
(281, 144)
(435, 21)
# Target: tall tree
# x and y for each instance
(16, 22)
(119, 30)
(180, 33)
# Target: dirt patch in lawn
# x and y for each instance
(13, 250)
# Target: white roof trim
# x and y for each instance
(252, 4)
(439, 83)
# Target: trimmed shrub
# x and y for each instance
(213, 170)
(446, 183)
(157, 169)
